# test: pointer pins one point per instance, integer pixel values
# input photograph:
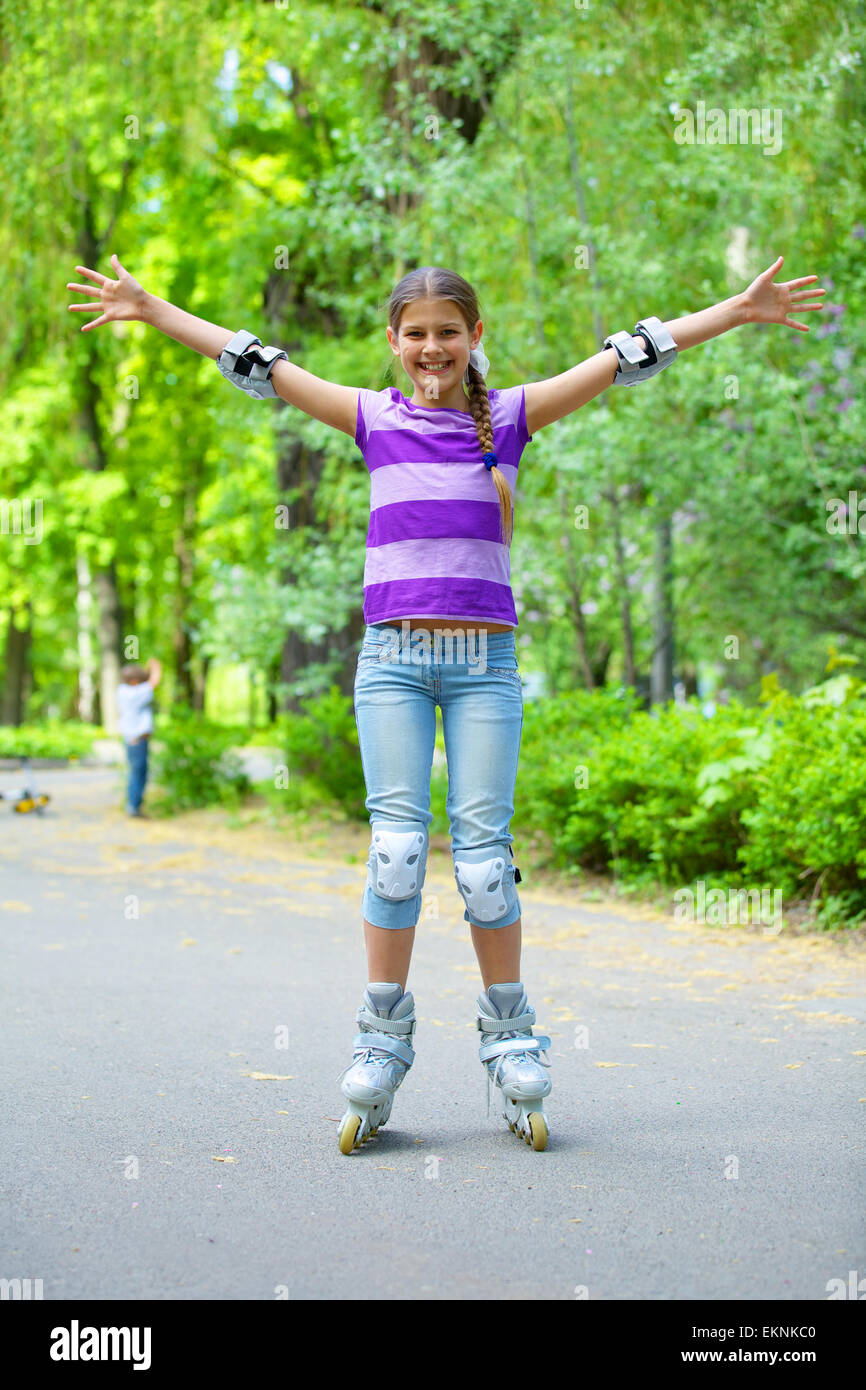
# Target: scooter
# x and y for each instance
(28, 799)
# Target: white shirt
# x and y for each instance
(135, 716)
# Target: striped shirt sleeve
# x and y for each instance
(511, 401)
(370, 404)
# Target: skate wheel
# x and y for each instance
(24, 805)
(538, 1130)
(348, 1132)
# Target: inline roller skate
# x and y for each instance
(513, 1061)
(383, 1056)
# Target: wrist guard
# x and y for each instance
(247, 365)
(636, 365)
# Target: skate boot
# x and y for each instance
(512, 1058)
(383, 1055)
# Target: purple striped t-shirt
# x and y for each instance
(433, 547)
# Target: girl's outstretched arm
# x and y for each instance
(124, 299)
(762, 302)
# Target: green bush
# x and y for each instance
(560, 737)
(192, 765)
(49, 740)
(773, 797)
(807, 830)
(321, 748)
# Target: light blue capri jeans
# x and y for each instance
(397, 689)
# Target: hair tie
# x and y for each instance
(477, 359)
(490, 460)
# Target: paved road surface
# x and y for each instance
(707, 1141)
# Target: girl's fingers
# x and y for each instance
(88, 308)
(94, 274)
(95, 324)
(803, 326)
(83, 289)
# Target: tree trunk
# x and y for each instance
(86, 653)
(575, 598)
(624, 595)
(299, 471)
(662, 675)
(104, 581)
(273, 678)
(300, 468)
(184, 549)
(600, 661)
(15, 665)
(110, 638)
(200, 684)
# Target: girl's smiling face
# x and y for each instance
(433, 345)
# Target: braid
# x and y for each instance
(479, 404)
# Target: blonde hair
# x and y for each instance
(434, 282)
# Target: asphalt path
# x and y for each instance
(179, 999)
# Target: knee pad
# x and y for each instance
(398, 858)
(485, 879)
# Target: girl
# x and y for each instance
(443, 466)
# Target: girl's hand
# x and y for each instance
(769, 303)
(123, 298)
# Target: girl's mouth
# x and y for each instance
(436, 367)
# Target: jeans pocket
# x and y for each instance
(370, 653)
(509, 673)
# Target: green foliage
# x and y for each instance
(673, 796)
(49, 740)
(650, 795)
(192, 765)
(321, 746)
(806, 829)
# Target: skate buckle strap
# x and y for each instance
(502, 1049)
(384, 1042)
(385, 1025)
(505, 1025)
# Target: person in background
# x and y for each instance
(135, 725)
